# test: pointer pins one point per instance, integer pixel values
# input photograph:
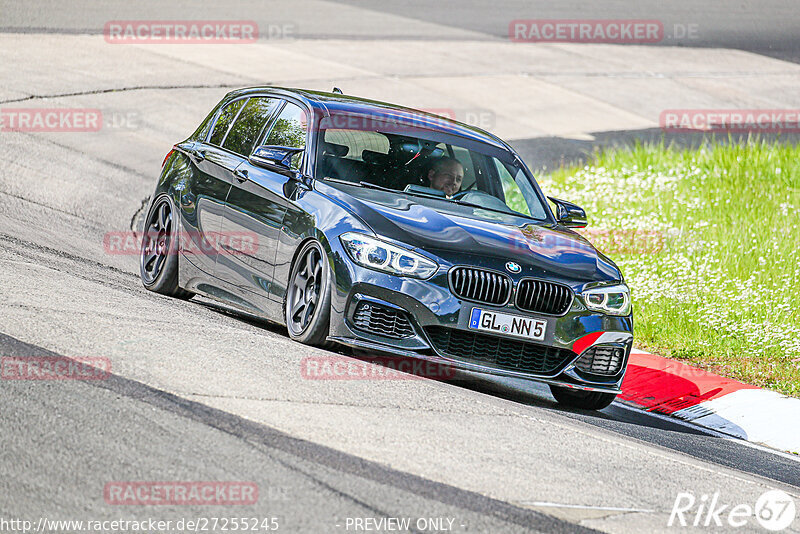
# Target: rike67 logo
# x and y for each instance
(774, 510)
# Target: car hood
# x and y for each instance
(460, 234)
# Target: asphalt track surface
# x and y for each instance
(200, 392)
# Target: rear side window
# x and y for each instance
(242, 136)
(201, 134)
(224, 121)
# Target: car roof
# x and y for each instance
(326, 103)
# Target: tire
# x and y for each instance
(585, 400)
(158, 260)
(307, 305)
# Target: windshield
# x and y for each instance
(420, 163)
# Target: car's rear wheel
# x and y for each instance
(158, 261)
(307, 306)
(586, 400)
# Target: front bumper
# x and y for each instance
(430, 304)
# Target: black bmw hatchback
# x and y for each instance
(388, 229)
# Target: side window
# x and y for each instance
(224, 121)
(515, 196)
(201, 133)
(289, 129)
(242, 136)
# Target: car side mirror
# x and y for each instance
(275, 158)
(569, 214)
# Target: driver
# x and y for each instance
(446, 175)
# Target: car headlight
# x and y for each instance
(613, 300)
(376, 254)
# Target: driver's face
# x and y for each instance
(448, 178)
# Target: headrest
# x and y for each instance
(330, 149)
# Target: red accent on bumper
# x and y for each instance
(585, 342)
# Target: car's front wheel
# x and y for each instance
(158, 262)
(307, 307)
(586, 400)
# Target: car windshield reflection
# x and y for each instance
(418, 164)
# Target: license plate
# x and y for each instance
(506, 324)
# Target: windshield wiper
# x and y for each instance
(379, 187)
(507, 212)
(402, 192)
(370, 185)
(362, 184)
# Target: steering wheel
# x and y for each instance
(461, 194)
(469, 188)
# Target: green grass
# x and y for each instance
(714, 263)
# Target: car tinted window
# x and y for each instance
(224, 121)
(243, 134)
(201, 133)
(454, 173)
(356, 142)
(514, 197)
(462, 155)
(289, 129)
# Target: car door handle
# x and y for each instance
(240, 175)
(198, 155)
